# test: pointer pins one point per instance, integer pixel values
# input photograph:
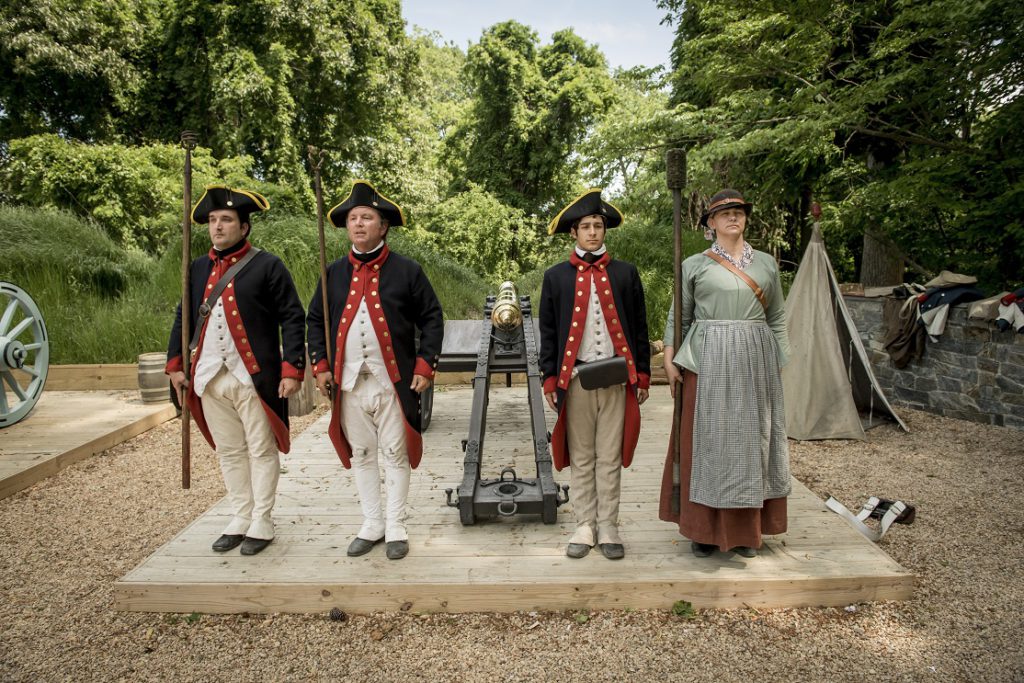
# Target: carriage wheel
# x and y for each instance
(24, 354)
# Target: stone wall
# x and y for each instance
(974, 372)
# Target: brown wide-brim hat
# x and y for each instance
(587, 204)
(365, 194)
(216, 197)
(725, 199)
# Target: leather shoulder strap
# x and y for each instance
(207, 306)
(758, 292)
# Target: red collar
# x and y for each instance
(375, 263)
(576, 261)
(215, 256)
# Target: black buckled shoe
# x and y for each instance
(254, 546)
(228, 542)
(702, 549)
(745, 551)
(613, 551)
(577, 550)
(396, 550)
(360, 546)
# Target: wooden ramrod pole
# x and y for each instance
(188, 142)
(675, 174)
(316, 160)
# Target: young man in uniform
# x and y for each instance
(377, 300)
(240, 381)
(592, 309)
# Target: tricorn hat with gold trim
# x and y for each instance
(216, 197)
(365, 194)
(587, 204)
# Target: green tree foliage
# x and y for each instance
(532, 106)
(265, 78)
(895, 115)
(494, 240)
(71, 66)
(132, 193)
(625, 149)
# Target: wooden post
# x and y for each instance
(675, 173)
(316, 160)
(188, 142)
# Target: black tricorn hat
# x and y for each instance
(216, 197)
(725, 199)
(587, 204)
(365, 194)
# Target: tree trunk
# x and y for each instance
(881, 264)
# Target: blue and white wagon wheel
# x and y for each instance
(24, 354)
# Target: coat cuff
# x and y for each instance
(289, 371)
(423, 368)
(175, 364)
(321, 366)
(550, 384)
(643, 380)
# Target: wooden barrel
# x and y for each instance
(153, 383)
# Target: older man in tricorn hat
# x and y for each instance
(377, 301)
(244, 311)
(593, 317)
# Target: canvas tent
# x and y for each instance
(828, 382)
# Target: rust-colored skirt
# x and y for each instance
(725, 528)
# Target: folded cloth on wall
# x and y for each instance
(935, 303)
(947, 279)
(986, 309)
(1011, 317)
(904, 337)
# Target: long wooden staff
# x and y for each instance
(316, 160)
(675, 174)
(188, 142)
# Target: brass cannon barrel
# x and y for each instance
(506, 315)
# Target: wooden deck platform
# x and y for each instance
(68, 426)
(507, 565)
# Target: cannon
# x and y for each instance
(507, 342)
(24, 354)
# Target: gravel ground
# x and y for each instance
(66, 540)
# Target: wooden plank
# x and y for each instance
(504, 564)
(93, 377)
(65, 428)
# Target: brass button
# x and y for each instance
(352, 293)
(581, 268)
(376, 305)
(231, 298)
(604, 279)
(234, 312)
(344, 320)
(568, 353)
(230, 285)
(607, 291)
(348, 306)
(576, 324)
(248, 354)
(615, 321)
(577, 309)
(244, 340)
(579, 292)
(373, 293)
(355, 279)
(209, 286)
